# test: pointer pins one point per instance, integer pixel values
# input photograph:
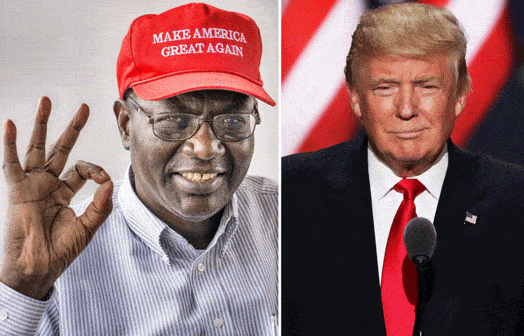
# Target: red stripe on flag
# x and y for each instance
(336, 124)
(300, 22)
(489, 71)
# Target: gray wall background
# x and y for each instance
(67, 50)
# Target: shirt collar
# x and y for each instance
(383, 179)
(154, 232)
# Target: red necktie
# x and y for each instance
(399, 274)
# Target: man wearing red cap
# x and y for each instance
(188, 244)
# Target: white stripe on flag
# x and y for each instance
(477, 17)
(317, 74)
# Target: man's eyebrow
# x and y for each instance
(383, 80)
(425, 79)
(177, 104)
(418, 80)
(239, 103)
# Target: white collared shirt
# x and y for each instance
(385, 200)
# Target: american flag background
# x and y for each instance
(316, 36)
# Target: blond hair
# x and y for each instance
(408, 29)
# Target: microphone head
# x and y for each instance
(420, 238)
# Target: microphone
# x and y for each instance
(420, 238)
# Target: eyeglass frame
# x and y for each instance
(151, 120)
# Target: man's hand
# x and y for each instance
(42, 233)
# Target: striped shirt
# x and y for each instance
(139, 277)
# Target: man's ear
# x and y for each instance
(122, 119)
(354, 100)
(461, 103)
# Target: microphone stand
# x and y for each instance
(422, 274)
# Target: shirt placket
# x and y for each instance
(210, 296)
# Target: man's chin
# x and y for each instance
(411, 165)
(198, 212)
(197, 217)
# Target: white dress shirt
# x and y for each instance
(385, 200)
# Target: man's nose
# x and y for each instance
(407, 104)
(204, 144)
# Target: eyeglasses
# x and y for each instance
(182, 126)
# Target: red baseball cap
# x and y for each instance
(188, 48)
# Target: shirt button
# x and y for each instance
(201, 267)
(3, 315)
(218, 323)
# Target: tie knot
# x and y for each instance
(410, 188)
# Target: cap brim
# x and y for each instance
(168, 86)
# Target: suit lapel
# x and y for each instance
(455, 200)
(357, 196)
(353, 201)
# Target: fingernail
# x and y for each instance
(5, 124)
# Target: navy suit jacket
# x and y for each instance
(330, 283)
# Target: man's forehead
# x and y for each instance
(427, 56)
(210, 97)
(386, 65)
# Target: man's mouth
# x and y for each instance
(197, 177)
(409, 134)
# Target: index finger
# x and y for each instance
(59, 152)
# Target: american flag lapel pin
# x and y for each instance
(470, 218)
